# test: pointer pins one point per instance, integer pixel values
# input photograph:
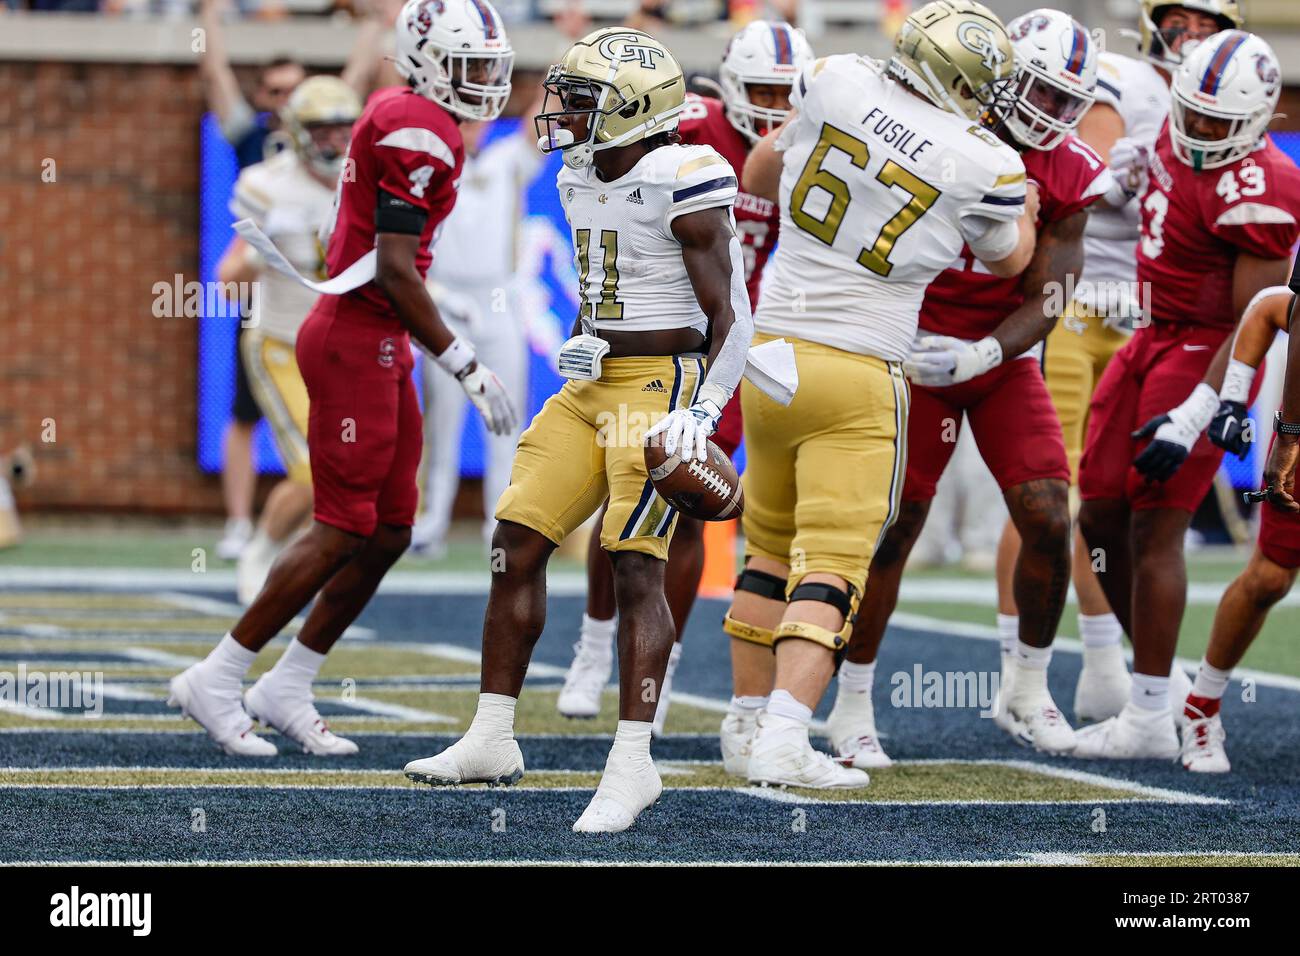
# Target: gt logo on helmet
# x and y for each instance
(980, 40)
(630, 47)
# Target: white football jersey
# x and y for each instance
(289, 205)
(1135, 90)
(875, 184)
(630, 270)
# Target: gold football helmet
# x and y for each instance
(957, 55)
(1157, 45)
(624, 82)
(315, 102)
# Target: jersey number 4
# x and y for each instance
(608, 307)
(921, 196)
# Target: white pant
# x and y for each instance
(499, 343)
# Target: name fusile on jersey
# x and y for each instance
(894, 133)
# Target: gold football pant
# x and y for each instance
(824, 475)
(1078, 350)
(587, 444)
(281, 395)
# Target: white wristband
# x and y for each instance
(455, 358)
(989, 350)
(1199, 408)
(715, 393)
(1237, 381)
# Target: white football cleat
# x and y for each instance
(1003, 718)
(626, 788)
(735, 734)
(1180, 686)
(661, 708)
(219, 710)
(1203, 745)
(472, 759)
(1104, 683)
(781, 756)
(1136, 734)
(237, 534)
(583, 684)
(1043, 724)
(297, 719)
(852, 730)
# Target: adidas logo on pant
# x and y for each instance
(656, 386)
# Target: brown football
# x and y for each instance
(707, 490)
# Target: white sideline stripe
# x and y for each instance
(564, 583)
(215, 608)
(147, 655)
(670, 768)
(985, 632)
(1024, 859)
(985, 592)
(465, 655)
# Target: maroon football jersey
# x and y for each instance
(704, 122)
(1195, 223)
(968, 301)
(411, 148)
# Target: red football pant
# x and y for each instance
(1153, 373)
(1013, 420)
(364, 431)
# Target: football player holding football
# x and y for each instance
(976, 358)
(883, 176)
(1271, 571)
(364, 429)
(1132, 101)
(1219, 217)
(662, 280)
(758, 69)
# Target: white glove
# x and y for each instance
(1128, 164)
(939, 360)
(689, 429)
(489, 397)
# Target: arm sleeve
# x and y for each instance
(1259, 228)
(724, 374)
(411, 160)
(702, 181)
(990, 239)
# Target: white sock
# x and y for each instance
(1150, 693)
(782, 704)
(297, 667)
(632, 740)
(495, 716)
(1009, 631)
(1031, 670)
(599, 634)
(857, 678)
(748, 706)
(1099, 630)
(1210, 681)
(229, 660)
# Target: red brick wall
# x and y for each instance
(78, 258)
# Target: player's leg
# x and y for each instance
(238, 475)
(1019, 437)
(933, 430)
(849, 475)
(1267, 578)
(282, 697)
(280, 391)
(1161, 514)
(593, 654)
(557, 483)
(444, 418)
(681, 586)
(759, 600)
(352, 436)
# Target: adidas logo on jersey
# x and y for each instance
(635, 196)
(656, 386)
